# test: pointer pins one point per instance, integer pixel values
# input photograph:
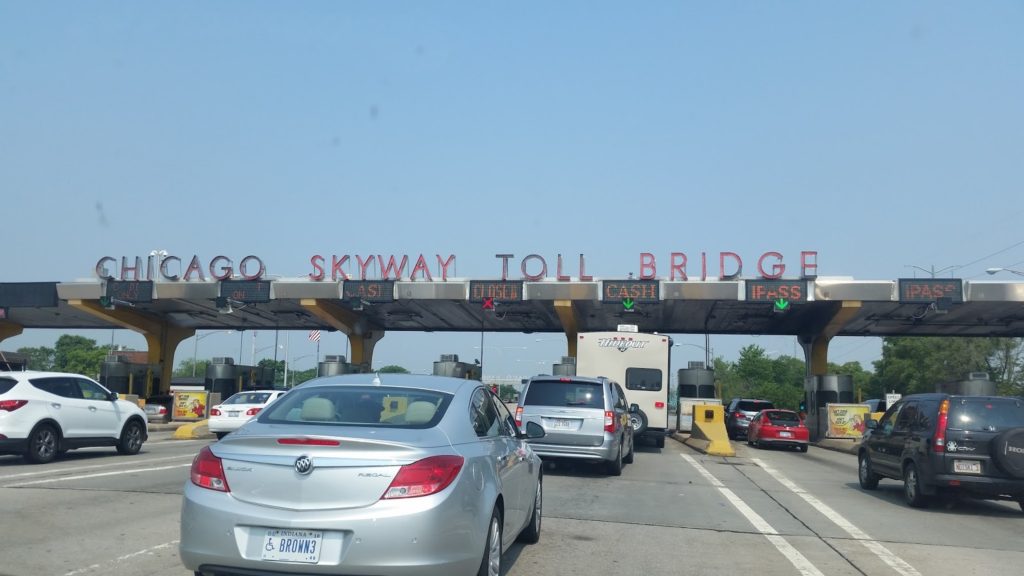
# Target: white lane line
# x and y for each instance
(120, 559)
(50, 471)
(798, 560)
(894, 561)
(98, 475)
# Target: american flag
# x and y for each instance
(314, 335)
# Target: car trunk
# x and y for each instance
(568, 426)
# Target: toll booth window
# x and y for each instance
(643, 379)
(827, 397)
(688, 391)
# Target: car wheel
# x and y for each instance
(43, 445)
(802, 447)
(531, 534)
(131, 439)
(491, 563)
(912, 487)
(867, 478)
(615, 466)
(659, 441)
(638, 420)
(628, 458)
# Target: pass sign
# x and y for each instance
(931, 289)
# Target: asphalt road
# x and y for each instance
(673, 511)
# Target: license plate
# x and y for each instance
(234, 414)
(561, 424)
(967, 466)
(292, 545)
(785, 434)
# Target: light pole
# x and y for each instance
(195, 346)
(998, 270)
(294, 360)
(707, 352)
(933, 272)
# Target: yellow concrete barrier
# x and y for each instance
(708, 433)
(192, 430)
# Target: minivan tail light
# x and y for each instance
(940, 428)
(208, 471)
(609, 421)
(519, 416)
(424, 477)
(12, 405)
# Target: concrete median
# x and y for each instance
(708, 432)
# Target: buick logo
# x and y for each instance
(304, 465)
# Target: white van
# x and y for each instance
(640, 363)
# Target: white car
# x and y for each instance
(44, 414)
(238, 409)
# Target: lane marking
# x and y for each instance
(120, 559)
(98, 475)
(895, 562)
(798, 560)
(91, 467)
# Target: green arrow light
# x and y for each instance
(627, 303)
(781, 305)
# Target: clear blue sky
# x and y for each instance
(883, 135)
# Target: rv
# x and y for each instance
(639, 362)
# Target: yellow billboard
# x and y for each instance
(846, 420)
(190, 404)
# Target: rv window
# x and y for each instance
(643, 379)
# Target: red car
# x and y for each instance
(778, 428)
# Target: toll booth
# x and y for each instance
(696, 385)
(13, 362)
(119, 374)
(976, 384)
(821, 390)
(449, 365)
(224, 377)
(567, 367)
(333, 365)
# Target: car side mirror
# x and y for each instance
(534, 430)
(112, 397)
(870, 423)
(634, 408)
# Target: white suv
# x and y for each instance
(44, 414)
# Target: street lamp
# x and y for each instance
(195, 346)
(998, 270)
(294, 360)
(933, 272)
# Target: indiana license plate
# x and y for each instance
(967, 466)
(292, 545)
(785, 434)
(561, 424)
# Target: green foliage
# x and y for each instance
(917, 364)
(184, 368)
(41, 358)
(392, 369)
(507, 392)
(79, 355)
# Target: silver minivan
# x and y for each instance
(583, 418)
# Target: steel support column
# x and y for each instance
(567, 315)
(361, 337)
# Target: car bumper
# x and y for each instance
(225, 424)
(986, 487)
(782, 441)
(400, 537)
(13, 445)
(606, 451)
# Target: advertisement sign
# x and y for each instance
(190, 404)
(846, 420)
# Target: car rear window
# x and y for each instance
(783, 417)
(376, 406)
(986, 414)
(6, 384)
(753, 406)
(249, 398)
(559, 393)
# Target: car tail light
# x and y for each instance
(766, 421)
(659, 405)
(742, 416)
(161, 409)
(424, 477)
(610, 421)
(252, 411)
(519, 416)
(12, 405)
(940, 428)
(303, 441)
(208, 472)
(215, 412)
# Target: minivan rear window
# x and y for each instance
(558, 393)
(986, 414)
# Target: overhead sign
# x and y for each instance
(634, 291)
(372, 291)
(497, 290)
(245, 291)
(775, 290)
(931, 289)
(133, 291)
(28, 294)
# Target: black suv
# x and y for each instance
(946, 443)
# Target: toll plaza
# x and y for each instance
(167, 307)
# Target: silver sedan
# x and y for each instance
(366, 474)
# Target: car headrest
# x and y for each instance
(318, 409)
(419, 412)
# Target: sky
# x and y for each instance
(886, 136)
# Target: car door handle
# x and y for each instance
(55, 404)
(92, 408)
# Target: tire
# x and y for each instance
(1007, 449)
(867, 478)
(531, 534)
(638, 421)
(490, 564)
(659, 441)
(628, 458)
(43, 444)
(802, 447)
(615, 466)
(131, 438)
(912, 487)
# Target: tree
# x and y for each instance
(392, 369)
(184, 368)
(41, 358)
(918, 364)
(79, 355)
